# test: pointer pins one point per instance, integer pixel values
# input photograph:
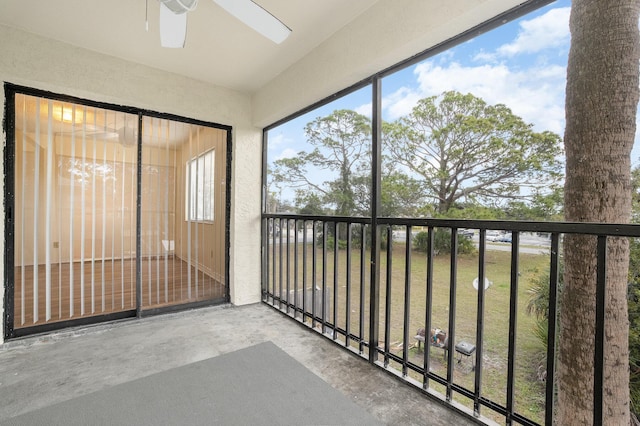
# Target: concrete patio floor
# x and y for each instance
(38, 371)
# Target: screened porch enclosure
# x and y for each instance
(107, 222)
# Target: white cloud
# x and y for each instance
(287, 153)
(364, 110)
(548, 31)
(400, 103)
(483, 56)
(531, 85)
(277, 140)
(536, 94)
(527, 74)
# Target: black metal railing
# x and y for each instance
(324, 272)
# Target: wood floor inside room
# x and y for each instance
(109, 287)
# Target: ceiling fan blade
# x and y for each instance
(89, 131)
(257, 18)
(173, 28)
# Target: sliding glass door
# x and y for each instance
(98, 233)
(183, 213)
(75, 222)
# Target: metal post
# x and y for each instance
(376, 159)
(551, 333)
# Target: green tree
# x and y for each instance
(341, 152)
(401, 195)
(542, 206)
(309, 204)
(462, 148)
(601, 106)
(472, 211)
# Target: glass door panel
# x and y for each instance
(75, 203)
(182, 213)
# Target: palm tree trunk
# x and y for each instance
(601, 106)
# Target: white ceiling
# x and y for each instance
(219, 49)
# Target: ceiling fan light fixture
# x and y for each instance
(253, 15)
(68, 114)
(173, 28)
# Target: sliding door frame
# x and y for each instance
(11, 90)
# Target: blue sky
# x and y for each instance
(521, 64)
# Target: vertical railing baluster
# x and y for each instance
(336, 252)
(407, 300)
(304, 271)
(295, 268)
(551, 333)
(273, 261)
(452, 311)
(280, 263)
(288, 247)
(271, 286)
(265, 260)
(387, 299)
(598, 357)
(362, 282)
(513, 324)
(479, 326)
(348, 295)
(314, 260)
(325, 231)
(428, 308)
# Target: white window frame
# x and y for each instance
(200, 187)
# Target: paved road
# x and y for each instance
(527, 250)
(529, 243)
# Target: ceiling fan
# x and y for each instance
(173, 20)
(124, 134)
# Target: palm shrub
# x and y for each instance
(538, 306)
(633, 300)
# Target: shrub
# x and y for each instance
(342, 244)
(442, 242)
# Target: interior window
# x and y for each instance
(199, 203)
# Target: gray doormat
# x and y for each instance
(258, 385)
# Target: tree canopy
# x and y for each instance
(341, 153)
(464, 149)
(451, 152)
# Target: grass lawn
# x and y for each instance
(529, 391)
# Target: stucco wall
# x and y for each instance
(33, 61)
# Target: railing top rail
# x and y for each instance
(587, 228)
(349, 219)
(591, 228)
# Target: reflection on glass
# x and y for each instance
(75, 196)
(182, 238)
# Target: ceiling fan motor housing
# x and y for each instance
(180, 6)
